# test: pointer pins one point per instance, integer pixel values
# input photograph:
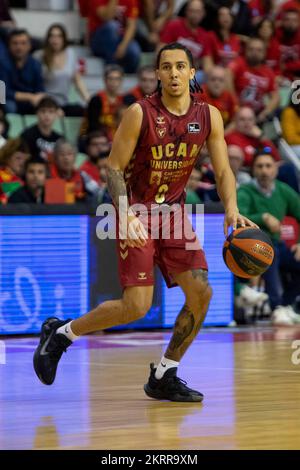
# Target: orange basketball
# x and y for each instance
(248, 252)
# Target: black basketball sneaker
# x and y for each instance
(49, 351)
(170, 387)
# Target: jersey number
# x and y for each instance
(161, 194)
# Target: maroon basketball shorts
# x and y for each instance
(173, 246)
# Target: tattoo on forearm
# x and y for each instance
(184, 326)
(116, 185)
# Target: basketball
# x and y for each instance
(248, 252)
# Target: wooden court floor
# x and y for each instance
(251, 388)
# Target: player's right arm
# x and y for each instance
(123, 147)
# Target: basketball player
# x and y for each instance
(153, 153)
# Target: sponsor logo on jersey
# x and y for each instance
(155, 177)
(161, 132)
(193, 127)
(142, 277)
(160, 121)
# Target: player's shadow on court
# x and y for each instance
(168, 419)
(46, 434)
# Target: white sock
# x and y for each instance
(67, 331)
(164, 365)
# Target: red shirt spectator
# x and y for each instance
(84, 7)
(224, 52)
(288, 36)
(287, 6)
(75, 178)
(265, 30)
(260, 9)
(197, 40)
(249, 145)
(252, 83)
(273, 56)
(125, 9)
(92, 170)
(247, 136)
(9, 182)
(226, 103)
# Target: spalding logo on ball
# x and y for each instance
(248, 252)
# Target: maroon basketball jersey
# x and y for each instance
(166, 152)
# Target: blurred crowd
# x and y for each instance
(247, 56)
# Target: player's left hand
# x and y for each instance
(234, 218)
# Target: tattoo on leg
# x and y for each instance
(187, 326)
(200, 274)
(184, 326)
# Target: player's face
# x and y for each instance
(265, 170)
(175, 72)
(36, 176)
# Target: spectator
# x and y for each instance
(216, 94)
(290, 122)
(240, 12)
(22, 75)
(60, 71)
(188, 32)
(63, 167)
(265, 30)
(103, 195)
(13, 156)
(260, 9)
(33, 191)
(4, 127)
(287, 6)
(253, 81)
(102, 111)
(7, 22)
(225, 45)
(97, 146)
(267, 201)
(41, 137)
(192, 196)
(112, 27)
(288, 35)
(146, 86)
(153, 17)
(248, 136)
(236, 161)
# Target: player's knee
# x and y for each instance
(135, 308)
(201, 291)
